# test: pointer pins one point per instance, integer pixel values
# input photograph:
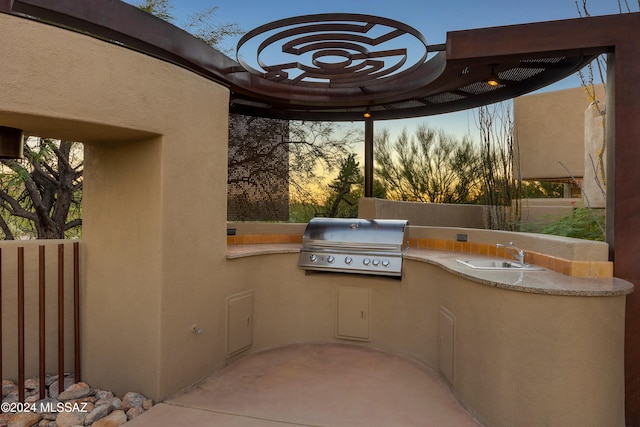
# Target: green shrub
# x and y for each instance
(582, 223)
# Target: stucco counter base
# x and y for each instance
(516, 348)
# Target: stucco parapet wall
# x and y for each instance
(267, 228)
(565, 248)
(561, 202)
(249, 238)
(569, 267)
(571, 257)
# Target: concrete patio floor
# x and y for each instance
(314, 385)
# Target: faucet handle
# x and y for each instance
(515, 247)
(513, 250)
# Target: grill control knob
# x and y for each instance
(366, 261)
(313, 258)
(385, 263)
(376, 261)
(348, 260)
(330, 259)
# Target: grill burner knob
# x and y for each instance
(330, 259)
(376, 261)
(366, 261)
(313, 258)
(348, 260)
(385, 263)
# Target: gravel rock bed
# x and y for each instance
(77, 405)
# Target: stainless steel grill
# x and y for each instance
(348, 245)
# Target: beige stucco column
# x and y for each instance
(594, 183)
(154, 199)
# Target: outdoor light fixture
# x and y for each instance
(11, 143)
(367, 115)
(493, 80)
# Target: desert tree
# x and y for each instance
(201, 24)
(316, 151)
(345, 190)
(500, 167)
(428, 166)
(40, 194)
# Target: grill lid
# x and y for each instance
(367, 246)
(359, 234)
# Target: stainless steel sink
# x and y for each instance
(490, 264)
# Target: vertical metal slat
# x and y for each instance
(42, 319)
(1, 314)
(21, 364)
(76, 310)
(61, 317)
(42, 327)
(368, 157)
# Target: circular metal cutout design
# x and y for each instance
(332, 50)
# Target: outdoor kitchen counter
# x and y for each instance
(538, 282)
(511, 358)
(241, 251)
(545, 282)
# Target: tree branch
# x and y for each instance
(8, 235)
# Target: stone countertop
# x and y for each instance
(544, 282)
(538, 282)
(241, 251)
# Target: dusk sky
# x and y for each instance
(432, 18)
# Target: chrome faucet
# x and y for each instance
(515, 251)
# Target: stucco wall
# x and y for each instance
(154, 225)
(549, 128)
(432, 214)
(594, 184)
(533, 212)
